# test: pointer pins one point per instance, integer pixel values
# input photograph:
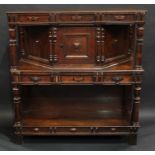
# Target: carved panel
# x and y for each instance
(34, 39)
(76, 45)
(116, 43)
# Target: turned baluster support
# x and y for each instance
(22, 42)
(139, 45)
(50, 46)
(13, 46)
(17, 107)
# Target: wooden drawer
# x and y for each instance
(115, 130)
(76, 17)
(72, 130)
(76, 79)
(119, 17)
(34, 18)
(118, 79)
(35, 130)
(34, 78)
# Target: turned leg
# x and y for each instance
(132, 139)
(19, 139)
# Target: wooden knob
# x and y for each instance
(35, 78)
(113, 129)
(117, 79)
(36, 129)
(73, 129)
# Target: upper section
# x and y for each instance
(88, 41)
(75, 17)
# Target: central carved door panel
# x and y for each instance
(76, 45)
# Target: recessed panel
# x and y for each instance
(76, 45)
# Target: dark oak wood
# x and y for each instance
(76, 72)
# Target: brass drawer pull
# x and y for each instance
(33, 18)
(117, 79)
(35, 78)
(73, 129)
(36, 129)
(121, 17)
(78, 78)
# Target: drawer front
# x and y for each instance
(35, 130)
(119, 17)
(34, 18)
(115, 130)
(118, 79)
(72, 130)
(76, 17)
(34, 78)
(77, 79)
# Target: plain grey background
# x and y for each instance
(146, 136)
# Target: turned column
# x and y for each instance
(13, 46)
(139, 45)
(53, 58)
(132, 138)
(17, 107)
(22, 41)
(136, 104)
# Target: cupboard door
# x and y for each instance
(76, 45)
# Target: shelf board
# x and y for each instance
(64, 122)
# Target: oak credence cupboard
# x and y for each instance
(76, 72)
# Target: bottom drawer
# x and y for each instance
(75, 130)
(35, 130)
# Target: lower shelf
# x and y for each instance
(75, 110)
(72, 122)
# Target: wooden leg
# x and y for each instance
(132, 139)
(19, 139)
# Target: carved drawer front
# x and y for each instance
(34, 18)
(35, 130)
(76, 79)
(72, 130)
(118, 79)
(35, 78)
(69, 17)
(119, 17)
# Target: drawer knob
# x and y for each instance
(121, 17)
(113, 129)
(36, 129)
(33, 18)
(35, 78)
(78, 78)
(73, 129)
(117, 79)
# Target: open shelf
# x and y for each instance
(73, 106)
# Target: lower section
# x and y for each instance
(130, 132)
(76, 110)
